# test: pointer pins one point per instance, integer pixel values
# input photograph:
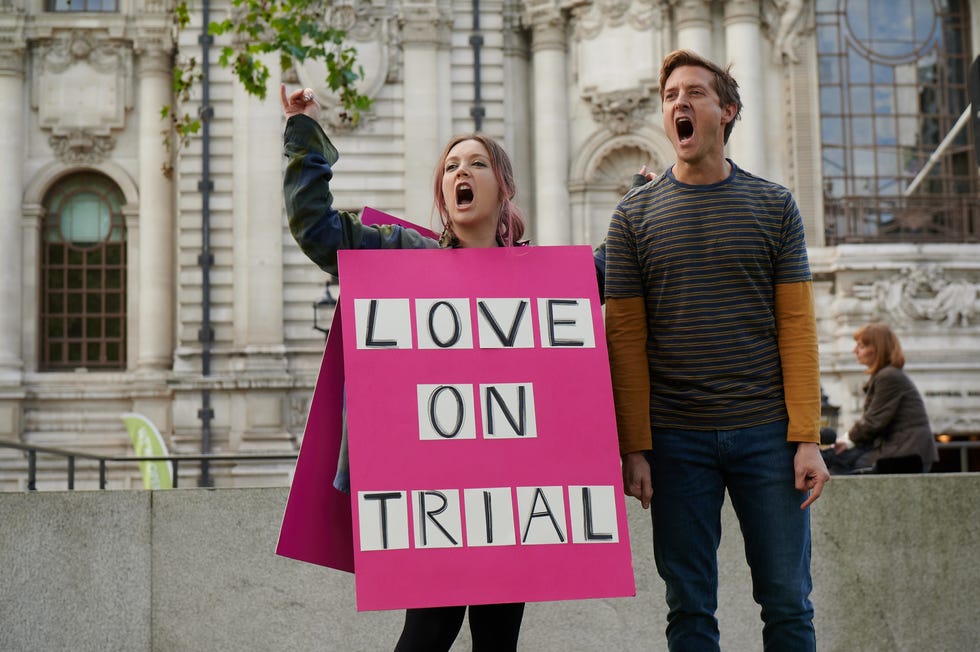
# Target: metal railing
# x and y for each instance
(103, 461)
(961, 443)
(929, 218)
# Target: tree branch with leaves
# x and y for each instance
(298, 30)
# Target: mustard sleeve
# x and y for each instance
(626, 336)
(796, 329)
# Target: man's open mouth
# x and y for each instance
(685, 128)
(464, 194)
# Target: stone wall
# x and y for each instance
(196, 569)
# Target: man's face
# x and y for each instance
(694, 119)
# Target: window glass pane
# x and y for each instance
(830, 100)
(93, 303)
(885, 134)
(832, 131)
(85, 218)
(884, 100)
(861, 99)
(827, 38)
(862, 131)
(864, 162)
(113, 279)
(833, 160)
(883, 74)
(56, 303)
(858, 21)
(82, 5)
(56, 280)
(113, 303)
(114, 254)
(859, 70)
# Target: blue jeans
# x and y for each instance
(691, 470)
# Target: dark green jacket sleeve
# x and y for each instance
(319, 228)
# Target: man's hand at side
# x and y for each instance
(811, 472)
(636, 478)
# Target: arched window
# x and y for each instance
(82, 5)
(83, 276)
(893, 83)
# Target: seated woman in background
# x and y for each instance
(894, 423)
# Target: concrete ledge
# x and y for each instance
(196, 569)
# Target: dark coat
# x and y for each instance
(894, 419)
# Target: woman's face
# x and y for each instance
(864, 353)
(470, 189)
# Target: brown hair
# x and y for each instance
(724, 84)
(510, 223)
(884, 343)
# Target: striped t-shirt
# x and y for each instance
(707, 258)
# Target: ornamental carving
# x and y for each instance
(787, 21)
(370, 31)
(593, 18)
(82, 83)
(922, 293)
(81, 147)
(12, 42)
(622, 111)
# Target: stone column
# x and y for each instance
(257, 207)
(12, 154)
(517, 113)
(552, 213)
(428, 120)
(692, 23)
(157, 232)
(743, 37)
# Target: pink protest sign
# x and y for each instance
(316, 525)
(482, 438)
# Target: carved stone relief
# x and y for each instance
(12, 43)
(592, 18)
(369, 30)
(787, 21)
(615, 169)
(81, 146)
(615, 49)
(81, 92)
(623, 111)
(922, 293)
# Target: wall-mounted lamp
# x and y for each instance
(321, 308)
(829, 415)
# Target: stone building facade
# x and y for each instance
(142, 277)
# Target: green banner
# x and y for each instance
(147, 442)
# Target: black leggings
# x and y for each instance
(493, 627)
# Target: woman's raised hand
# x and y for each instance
(300, 101)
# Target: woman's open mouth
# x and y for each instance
(464, 195)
